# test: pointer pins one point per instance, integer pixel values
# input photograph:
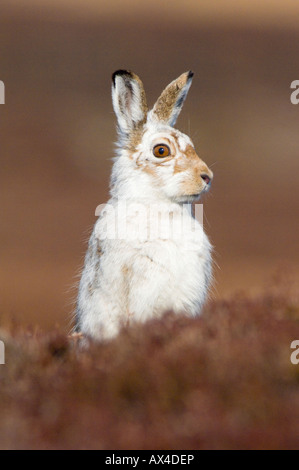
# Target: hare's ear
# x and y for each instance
(129, 101)
(170, 103)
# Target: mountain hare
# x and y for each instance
(147, 254)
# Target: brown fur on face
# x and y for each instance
(191, 161)
(185, 160)
(150, 167)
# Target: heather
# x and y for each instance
(221, 381)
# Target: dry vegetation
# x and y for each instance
(223, 381)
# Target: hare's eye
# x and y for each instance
(161, 151)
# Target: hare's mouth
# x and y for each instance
(205, 189)
(196, 196)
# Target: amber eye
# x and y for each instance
(161, 151)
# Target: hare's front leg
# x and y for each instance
(98, 308)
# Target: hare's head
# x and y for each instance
(163, 156)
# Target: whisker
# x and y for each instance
(206, 219)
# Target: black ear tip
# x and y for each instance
(190, 74)
(121, 73)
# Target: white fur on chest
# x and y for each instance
(147, 270)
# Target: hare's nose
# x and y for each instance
(207, 178)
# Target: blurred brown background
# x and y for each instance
(58, 129)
